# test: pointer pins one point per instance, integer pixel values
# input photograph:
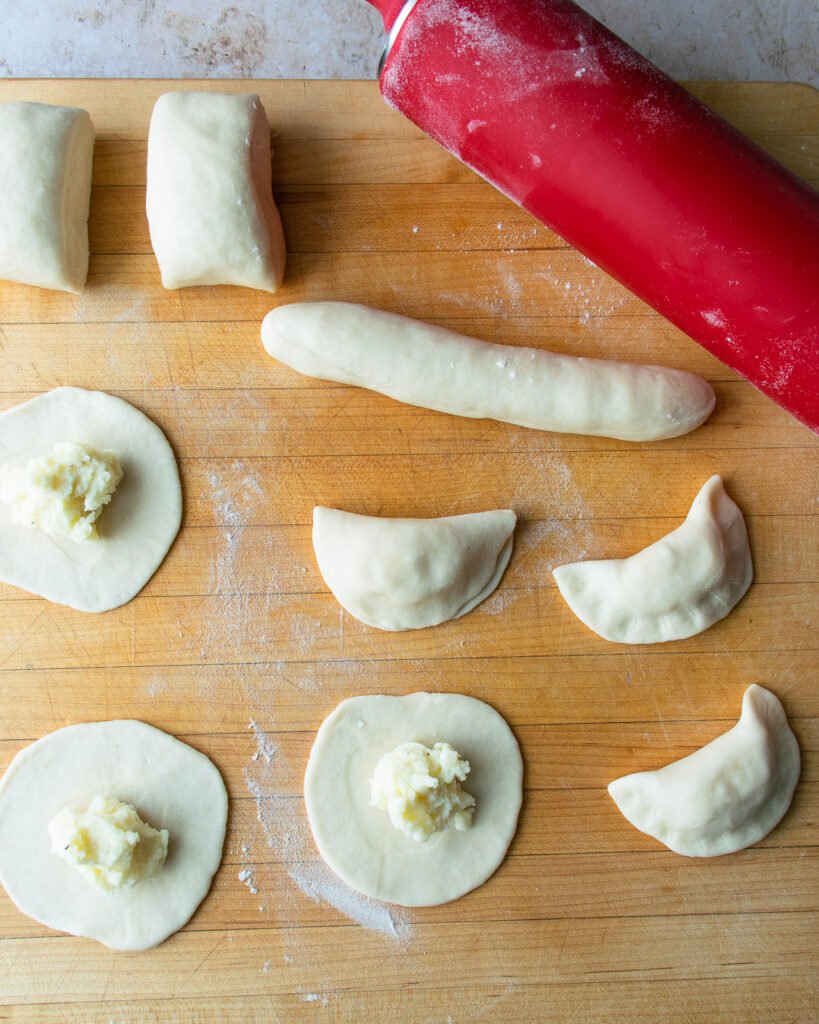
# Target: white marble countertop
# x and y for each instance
(702, 39)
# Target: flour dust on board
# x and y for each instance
(275, 785)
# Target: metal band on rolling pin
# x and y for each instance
(396, 28)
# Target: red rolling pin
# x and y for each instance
(595, 141)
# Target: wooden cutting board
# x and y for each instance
(236, 647)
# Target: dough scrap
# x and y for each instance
(398, 574)
(357, 840)
(171, 785)
(438, 369)
(725, 796)
(46, 156)
(673, 589)
(209, 199)
(138, 526)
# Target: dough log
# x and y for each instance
(46, 155)
(209, 198)
(438, 369)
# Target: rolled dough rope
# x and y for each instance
(209, 198)
(46, 155)
(438, 369)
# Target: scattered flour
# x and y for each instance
(303, 632)
(156, 685)
(272, 780)
(235, 582)
(499, 602)
(543, 542)
(317, 881)
(247, 875)
(540, 545)
(266, 749)
(511, 283)
(715, 318)
(314, 997)
(589, 298)
(552, 542)
(481, 41)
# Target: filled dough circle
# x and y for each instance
(135, 530)
(358, 841)
(171, 785)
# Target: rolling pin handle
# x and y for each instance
(389, 10)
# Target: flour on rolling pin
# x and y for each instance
(595, 141)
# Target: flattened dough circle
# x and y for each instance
(171, 785)
(358, 842)
(135, 530)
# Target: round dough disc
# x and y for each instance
(359, 842)
(135, 530)
(171, 785)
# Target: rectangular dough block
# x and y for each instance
(210, 200)
(46, 155)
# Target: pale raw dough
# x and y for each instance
(409, 573)
(172, 786)
(46, 155)
(676, 587)
(136, 529)
(438, 369)
(209, 199)
(725, 796)
(358, 841)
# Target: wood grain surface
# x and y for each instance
(236, 646)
